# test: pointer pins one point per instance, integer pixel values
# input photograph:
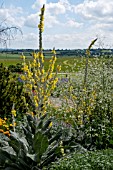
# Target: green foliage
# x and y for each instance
(90, 161)
(88, 109)
(15, 68)
(11, 92)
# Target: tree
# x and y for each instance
(7, 33)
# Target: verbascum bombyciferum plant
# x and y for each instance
(38, 83)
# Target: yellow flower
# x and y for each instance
(13, 112)
(74, 97)
(33, 64)
(42, 60)
(50, 124)
(34, 61)
(54, 58)
(6, 126)
(42, 18)
(29, 74)
(23, 77)
(32, 113)
(35, 97)
(22, 57)
(7, 133)
(36, 103)
(38, 64)
(14, 124)
(45, 98)
(1, 122)
(1, 130)
(34, 55)
(53, 51)
(41, 55)
(42, 81)
(29, 86)
(59, 67)
(25, 68)
(56, 80)
(42, 71)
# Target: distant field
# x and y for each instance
(68, 64)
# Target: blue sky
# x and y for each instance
(69, 24)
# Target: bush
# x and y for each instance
(11, 92)
(15, 68)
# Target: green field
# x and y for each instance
(68, 64)
(65, 62)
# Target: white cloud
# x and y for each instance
(66, 4)
(55, 8)
(93, 17)
(73, 24)
(32, 20)
(10, 16)
(95, 9)
(52, 10)
(51, 20)
(30, 37)
(38, 4)
(28, 40)
(97, 15)
(72, 41)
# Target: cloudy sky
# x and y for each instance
(69, 24)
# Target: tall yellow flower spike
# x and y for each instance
(38, 83)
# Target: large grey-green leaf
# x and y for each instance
(10, 168)
(40, 145)
(6, 157)
(32, 157)
(18, 142)
(9, 150)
